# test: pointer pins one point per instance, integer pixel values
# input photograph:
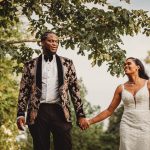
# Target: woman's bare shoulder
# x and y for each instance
(119, 88)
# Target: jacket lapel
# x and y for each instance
(39, 72)
(60, 71)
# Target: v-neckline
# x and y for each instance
(134, 95)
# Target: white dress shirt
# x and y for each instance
(50, 87)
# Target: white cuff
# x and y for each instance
(20, 117)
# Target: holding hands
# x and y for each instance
(84, 123)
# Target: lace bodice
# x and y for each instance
(139, 101)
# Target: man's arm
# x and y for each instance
(24, 95)
(75, 97)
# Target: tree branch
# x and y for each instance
(24, 41)
(21, 41)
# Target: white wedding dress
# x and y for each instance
(135, 122)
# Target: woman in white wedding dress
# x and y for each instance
(135, 94)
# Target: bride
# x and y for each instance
(135, 93)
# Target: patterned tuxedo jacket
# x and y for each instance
(31, 89)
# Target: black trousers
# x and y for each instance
(51, 119)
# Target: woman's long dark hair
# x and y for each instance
(141, 71)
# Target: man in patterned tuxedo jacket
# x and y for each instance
(44, 88)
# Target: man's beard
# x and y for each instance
(48, 52)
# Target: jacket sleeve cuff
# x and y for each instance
(20, 117)
(80, 115)
(20, 114)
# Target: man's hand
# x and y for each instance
(21, 123)
(83, 123)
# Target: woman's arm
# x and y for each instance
(108, 112)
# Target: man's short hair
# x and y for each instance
(45, 34)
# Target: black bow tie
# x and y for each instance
(48, 57)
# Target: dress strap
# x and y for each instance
(122, 86)
(146, 82)
(149, 92)
(146, 85)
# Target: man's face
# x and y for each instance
(51, 43)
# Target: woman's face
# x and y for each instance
(130, 67)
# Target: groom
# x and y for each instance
(44, 88)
